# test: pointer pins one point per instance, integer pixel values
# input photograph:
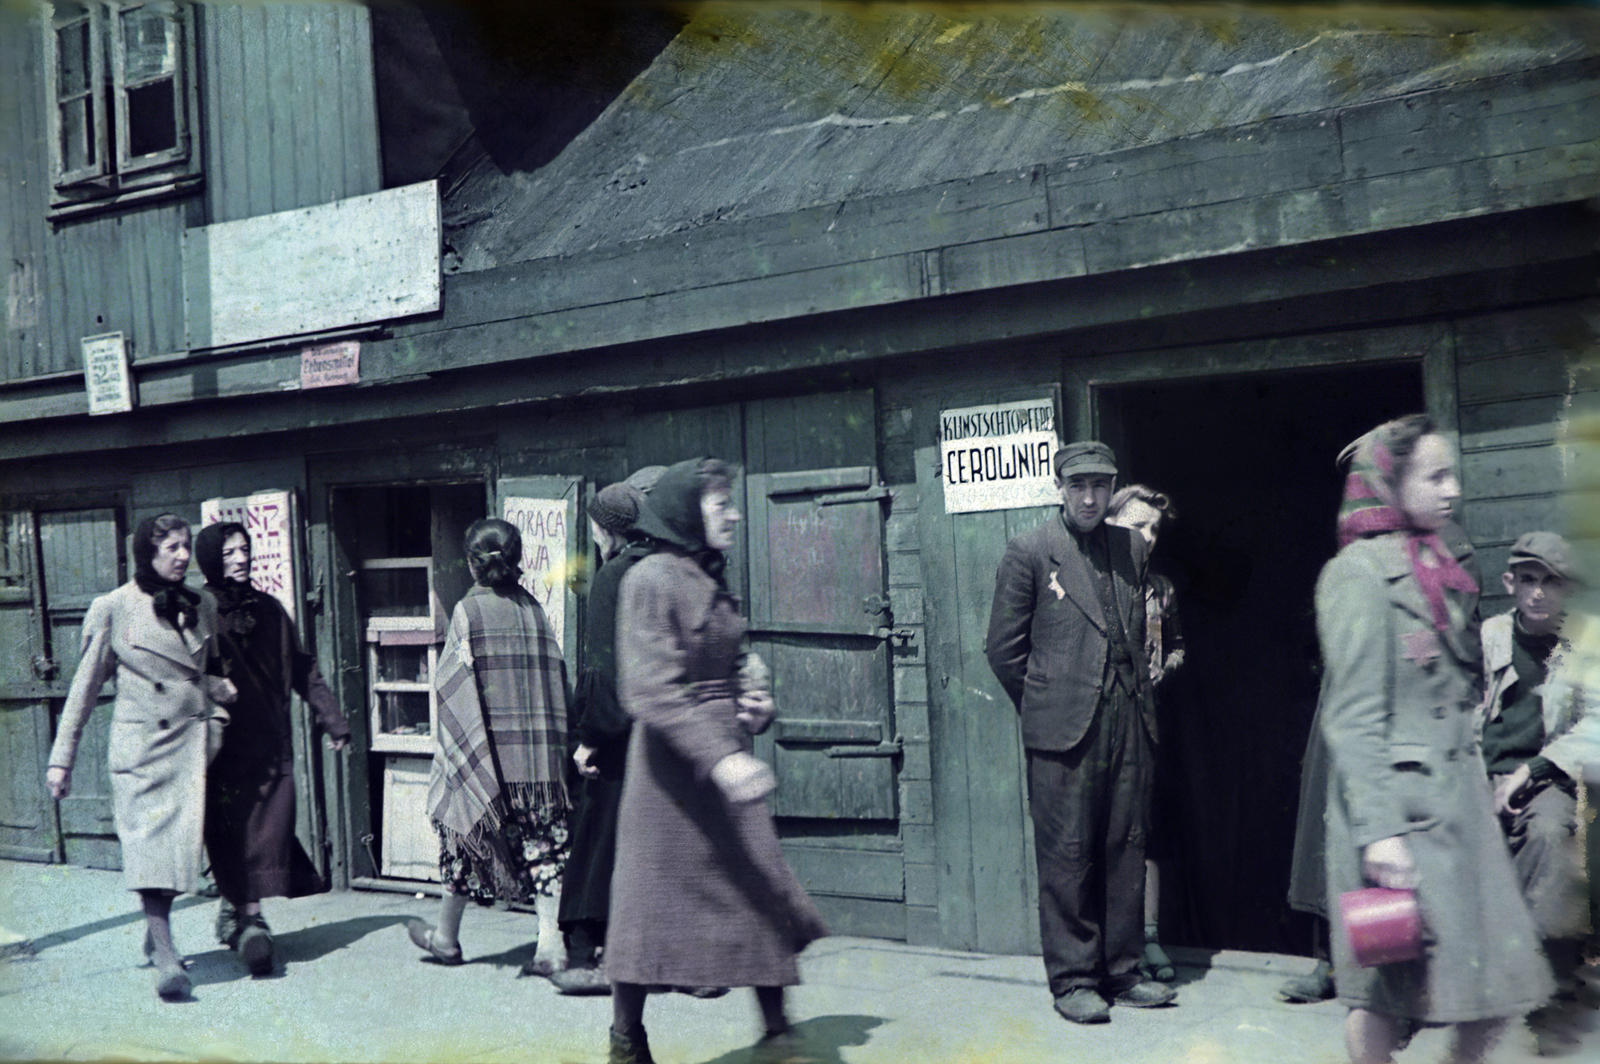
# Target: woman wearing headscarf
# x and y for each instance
(158, 639)
(701, 895)
(497, 791)
(250, 795)
(1408, 803)
(602, 728)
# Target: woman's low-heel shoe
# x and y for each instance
(421, 933)
(172, 982)
(255, 944)
(629, 1049)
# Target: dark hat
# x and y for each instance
(1085, 456)
(1549, 550)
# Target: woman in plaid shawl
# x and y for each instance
(497, 792)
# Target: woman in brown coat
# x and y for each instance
(1408, 803)
(250, 797)
(158, 639)
(701, 894)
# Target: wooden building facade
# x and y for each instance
(1180, 234)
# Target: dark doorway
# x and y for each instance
(1249, 462)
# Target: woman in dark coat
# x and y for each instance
(702, 895)
(497, 791)
(1145, 511)
(157, 638)
(1408, 802)
(250, 795)
(602, 727)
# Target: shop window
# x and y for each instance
(403, 624)
(122, 103)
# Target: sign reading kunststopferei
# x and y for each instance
(998, 457)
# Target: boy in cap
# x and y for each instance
(1539, 730)
(1066, 641)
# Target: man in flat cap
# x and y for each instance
(1066, 640)
(1540, 728)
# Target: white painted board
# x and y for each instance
(351, 262)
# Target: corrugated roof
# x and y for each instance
(760, 109)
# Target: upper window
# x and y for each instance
(122, 99)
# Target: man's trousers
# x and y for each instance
(1089, 820)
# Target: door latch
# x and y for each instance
(892, 748)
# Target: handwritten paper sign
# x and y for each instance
(329, 364)
(268, 518)
(998, 457)
(543, 524)
(105, 374)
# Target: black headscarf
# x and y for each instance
(174, 603)
(671, 512)
(232, 595)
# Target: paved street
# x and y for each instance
(351, 987)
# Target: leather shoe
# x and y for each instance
(1083, 1005)
(255, 944)
(1315, 985)
(421, 933)
(1145, 994)
(580, 982)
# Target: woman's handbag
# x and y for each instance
(1384, 925)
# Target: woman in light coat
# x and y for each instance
(1408, 802)
(701, 895)
(158, 639)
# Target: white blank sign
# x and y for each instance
(350, 262)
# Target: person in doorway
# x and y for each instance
(497, 791)
(1408, 806)
(602, 728)
(1066, 640)
(1539, 732)
(250, 796)
(1145, 510)
(701, 895)
(158, 639)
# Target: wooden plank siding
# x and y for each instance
(1520, 374)
(1278, 184)
(292, 120)
(288, 119)
(24, 199)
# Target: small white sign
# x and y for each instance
(105, 374)
(998, 457)
(329, 364)
(268, 518)
(543, 524)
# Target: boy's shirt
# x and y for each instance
(1568, 714)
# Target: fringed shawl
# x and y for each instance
(502, 738)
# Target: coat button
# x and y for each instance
(1439, 712)
(162, 723)
(160, 687)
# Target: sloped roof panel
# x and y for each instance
(761, 109)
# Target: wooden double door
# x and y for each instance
(53, 563)
(810, 567)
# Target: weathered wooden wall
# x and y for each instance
(288, 109)
(287, 120)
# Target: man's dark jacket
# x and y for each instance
(1047, 639)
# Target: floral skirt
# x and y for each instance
(535, 847)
